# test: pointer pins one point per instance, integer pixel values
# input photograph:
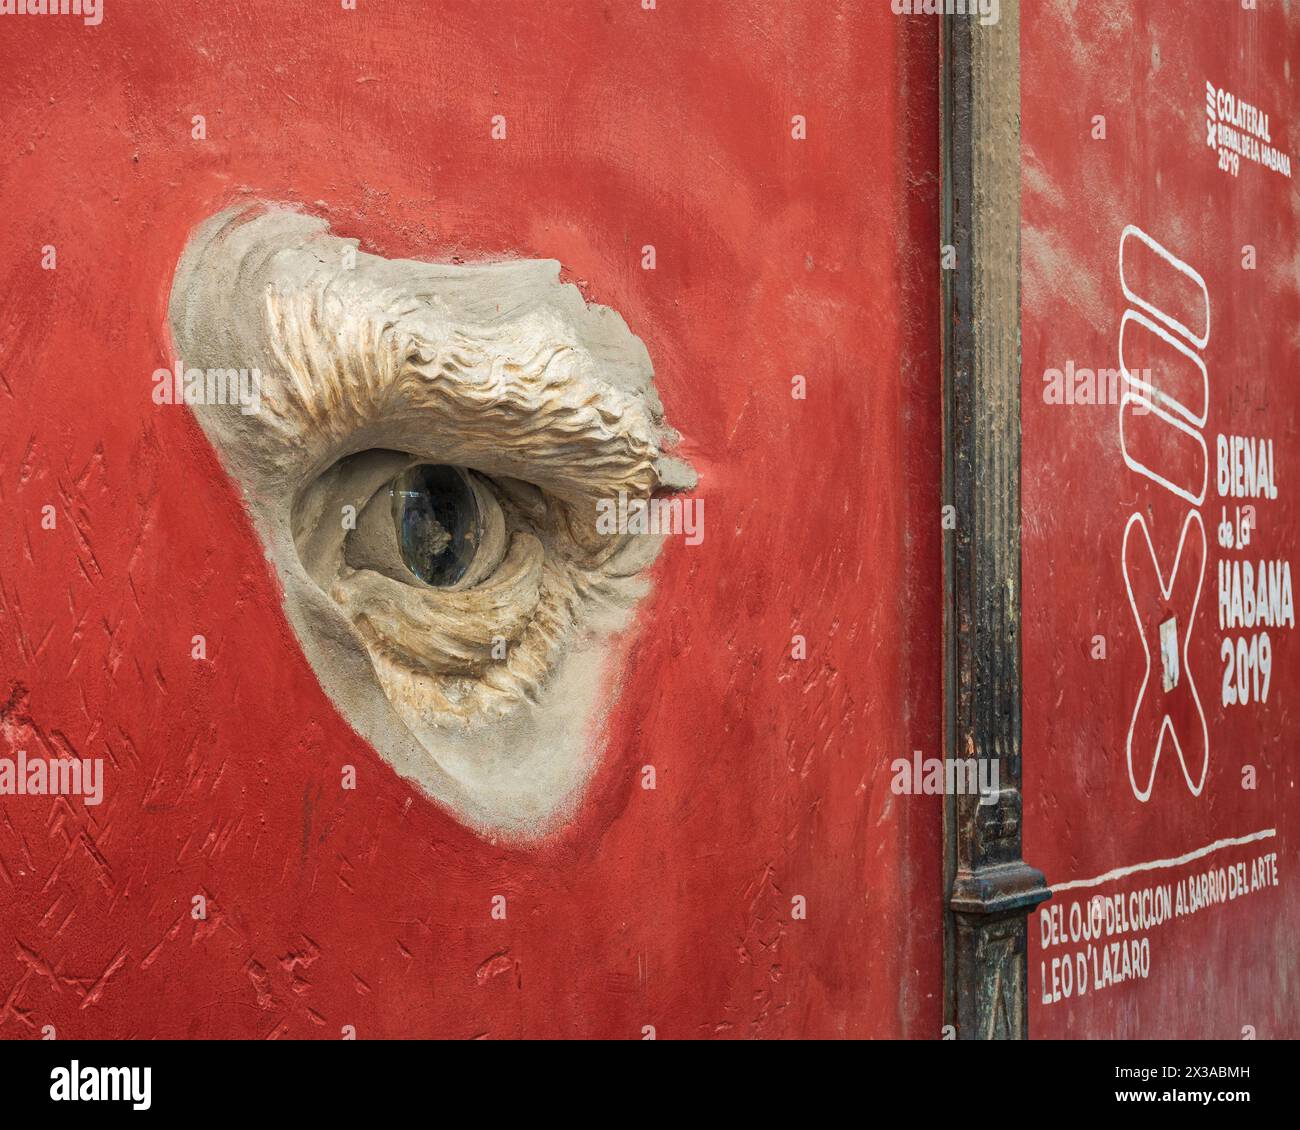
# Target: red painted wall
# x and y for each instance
(1230, 968)
(370, 908)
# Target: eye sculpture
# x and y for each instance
(423, 463)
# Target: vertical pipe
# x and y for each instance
(991, 889)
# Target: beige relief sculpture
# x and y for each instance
(423, 462)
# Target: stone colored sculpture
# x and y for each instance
(424, 462)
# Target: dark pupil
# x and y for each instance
(437, 522)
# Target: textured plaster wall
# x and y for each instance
(371, 907)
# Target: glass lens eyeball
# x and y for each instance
(438, 520)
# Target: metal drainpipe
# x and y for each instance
(990, 889)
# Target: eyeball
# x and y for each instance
(431, 526)
(439, 527)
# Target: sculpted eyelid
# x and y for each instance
(485, 385)
(542, 415)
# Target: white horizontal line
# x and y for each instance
(1159, 864)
